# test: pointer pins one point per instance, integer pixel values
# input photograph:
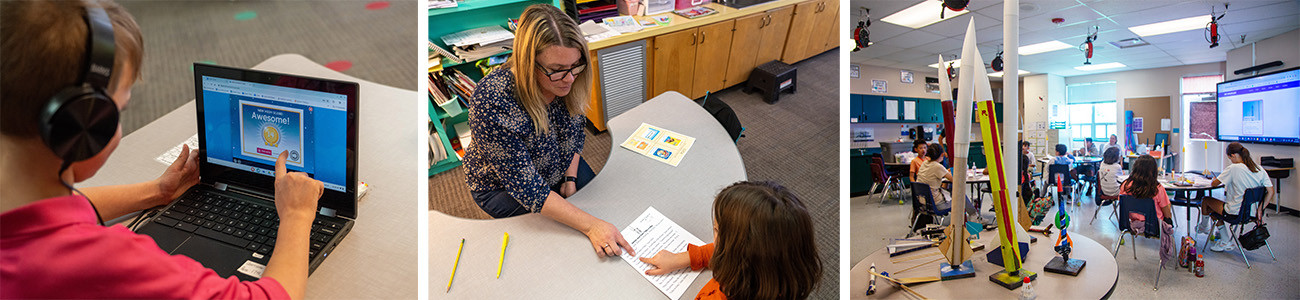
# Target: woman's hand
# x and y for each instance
(606, 239)
(296, 194)
(179, 177)
(666, 262)
(568, 188)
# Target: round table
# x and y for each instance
(1097, 279)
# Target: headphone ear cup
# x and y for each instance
(79, 122)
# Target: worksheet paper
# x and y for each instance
(652, 232)
(660, 144)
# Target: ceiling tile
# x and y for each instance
(881, 30)
(912, 39)
(1111, 8)
(956, 27)
(876, 50)
(947, 45)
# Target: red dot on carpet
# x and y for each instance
(339, 65)
(377, 5)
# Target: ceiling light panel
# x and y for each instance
(1184, 24)
(922, 14)
(1043, 47)
(1100, 66)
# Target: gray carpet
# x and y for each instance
(1226, 275)
(793, 142)
(381, 44)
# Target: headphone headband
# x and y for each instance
(100, 48)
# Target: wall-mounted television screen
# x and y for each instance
(1261, 109)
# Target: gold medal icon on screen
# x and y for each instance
(271, 136)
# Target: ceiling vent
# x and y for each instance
(1129, 43)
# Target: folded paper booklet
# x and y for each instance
(660, 144)
(652, 232)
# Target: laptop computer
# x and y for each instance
(228, 221)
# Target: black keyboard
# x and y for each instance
(245, 225)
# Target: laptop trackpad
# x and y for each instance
(220, 257)
(166, 237)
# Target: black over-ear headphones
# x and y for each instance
(80, 120)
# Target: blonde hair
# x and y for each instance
(541, 26)
(44, 45)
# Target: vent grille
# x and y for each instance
(622, 77)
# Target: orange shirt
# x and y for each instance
(916, 166)
(700, 256)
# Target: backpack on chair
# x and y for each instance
(725, 116)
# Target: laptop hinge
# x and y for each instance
(220, 186)
(328, 212)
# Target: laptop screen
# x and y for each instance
(248, 125)
(247, 118)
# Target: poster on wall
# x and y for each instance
(1137, 124)
(878, 86)
(1056, 121)
(905, 76)
(932, 88)
(853, 71)
(864, 134)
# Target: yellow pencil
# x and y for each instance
(454, 266)
(504, 240)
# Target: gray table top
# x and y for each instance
(378, 258)
(546, 259)
(1095, 281)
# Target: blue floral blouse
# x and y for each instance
(507, 154)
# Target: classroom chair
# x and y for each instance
(921, 192)
(1252, 196)
(892, 182)
(1064, 171)
(1146, 207)
(1102, 199)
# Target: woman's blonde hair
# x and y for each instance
(541, 26)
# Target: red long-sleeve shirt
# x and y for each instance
(54, 248)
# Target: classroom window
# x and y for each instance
(1092, 120)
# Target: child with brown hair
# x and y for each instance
(747, 262)
(68, 71)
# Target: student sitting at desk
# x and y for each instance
(526, 119)
(918, 146)
(1114, 143)
(1089, 149)
(1143, 185)
(1108, 176)
(1063, 158)
(747, 264)
(1241, 175)
(53, 240)
(1024, 150)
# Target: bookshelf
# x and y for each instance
(436, 118)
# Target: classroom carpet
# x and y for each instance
(794, 142)
(871, 224)
(374, 43)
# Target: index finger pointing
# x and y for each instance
(279, 164)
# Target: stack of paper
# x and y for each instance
(623, 24)
(436, 152)
(480, 43)
(593, 31)
(442, 4)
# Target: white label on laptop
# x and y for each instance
(251, 268)
(170, 156)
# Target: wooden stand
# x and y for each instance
(1060, 265)
(1010, 280)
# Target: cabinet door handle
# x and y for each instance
(694, 38)
(701, 37)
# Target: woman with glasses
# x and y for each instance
(526, 118)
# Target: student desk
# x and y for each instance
(546, 259)
(378, 258)
(1096, 281)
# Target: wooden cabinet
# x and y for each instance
(711, 54)
(812, 30)
(824, 27)
(673, 62)
(688, 61)
(801, 24)
(758, 39)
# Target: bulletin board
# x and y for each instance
(1151, 110)
(1203, 120)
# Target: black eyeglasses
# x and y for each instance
(557, 75)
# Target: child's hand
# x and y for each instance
(179, 177)
(666, 262)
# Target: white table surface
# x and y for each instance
(378, 258)
(548, 260)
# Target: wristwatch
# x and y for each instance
(570, 179)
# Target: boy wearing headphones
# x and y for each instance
(68, 70)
